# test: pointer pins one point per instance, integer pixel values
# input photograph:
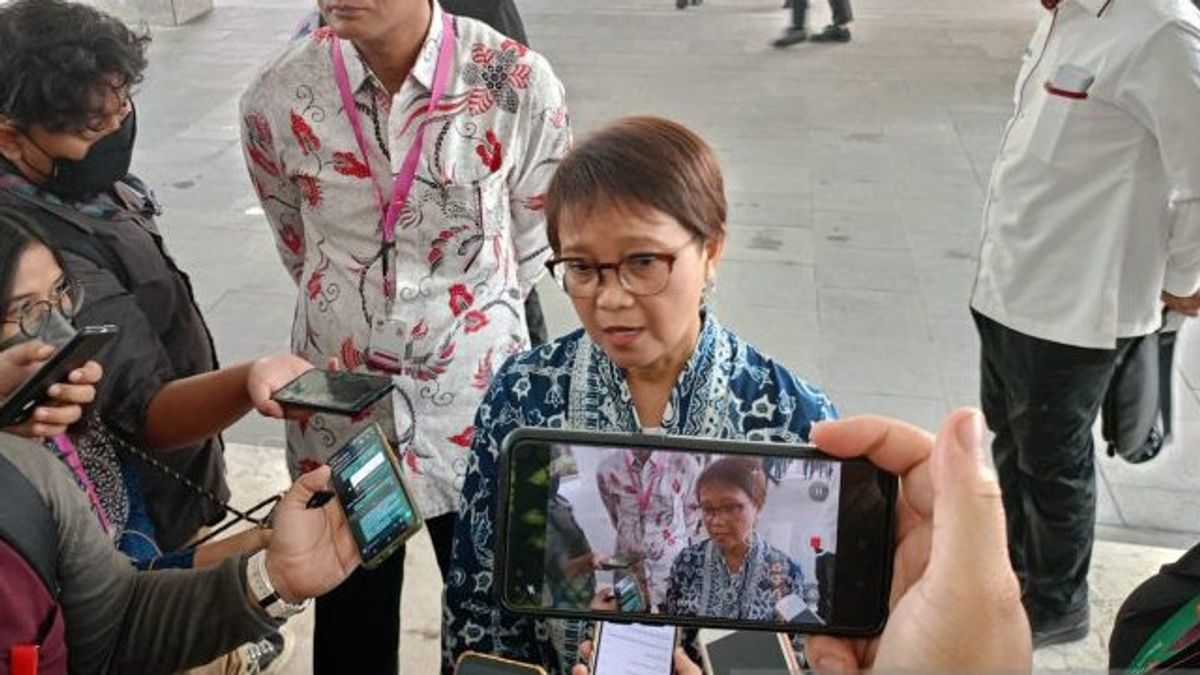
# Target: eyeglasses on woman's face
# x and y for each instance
(724, 511)
(31, 315)
(640, 274)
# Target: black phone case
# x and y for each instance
(284, 400)
(889, 487)
(33, 392)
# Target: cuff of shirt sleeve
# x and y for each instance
(1180, 282)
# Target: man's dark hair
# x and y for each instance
(60, 59)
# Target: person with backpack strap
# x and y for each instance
(95, 613)
(67, 133)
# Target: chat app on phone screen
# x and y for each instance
(374, 499)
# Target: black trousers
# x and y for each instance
(358, 623)
(1041, 399)
(842, 14)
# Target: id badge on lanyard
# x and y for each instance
(389, 334)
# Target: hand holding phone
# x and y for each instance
(310, 551)
(335, 392)
(65, 400)
(66, 378)
(844, 506)
(968, 614)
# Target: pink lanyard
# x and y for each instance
(408, 170)
(67, 449)
(643, 496)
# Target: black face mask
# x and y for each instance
(106, 162)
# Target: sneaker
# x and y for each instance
(269, 655)
(791, 36)
(832, 33)
(1059, 629)
(681, 4)
(787, 4)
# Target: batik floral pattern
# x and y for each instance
(470, 240)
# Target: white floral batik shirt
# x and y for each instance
(470, 241)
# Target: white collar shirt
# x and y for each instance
(1091, 208)
(470, 241)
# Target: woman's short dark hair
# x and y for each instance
(60, 59)
(741, 473)
(639, 163)
(15, 238)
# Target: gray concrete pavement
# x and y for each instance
(855, 175)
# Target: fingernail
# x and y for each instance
(54, 390)
(970, 439)
(830, 663)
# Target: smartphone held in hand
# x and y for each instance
(747, 652)
(375, 496)
(337, 392)
(693, 532)
(35, 391)
(634, 649)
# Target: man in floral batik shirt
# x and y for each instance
(469, 243)
(651, 501)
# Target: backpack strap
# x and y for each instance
(28, 526)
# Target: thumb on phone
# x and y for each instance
(28, 353)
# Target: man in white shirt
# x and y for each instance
(1092, 216)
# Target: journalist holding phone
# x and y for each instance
(26, 342)
(636, 218)
(68, 128)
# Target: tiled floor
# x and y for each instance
(855, 177)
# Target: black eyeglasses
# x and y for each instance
(31, 317)
(640, 274)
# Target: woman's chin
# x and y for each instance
(629, 358)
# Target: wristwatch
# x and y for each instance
(264, 592)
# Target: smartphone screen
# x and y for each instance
(694, 532)
(374, 496)
(338, 392)
(748, 652)
(634, 649)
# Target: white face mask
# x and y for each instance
(57, 332)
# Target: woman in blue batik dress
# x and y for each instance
(636, 218)
(735, 573)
